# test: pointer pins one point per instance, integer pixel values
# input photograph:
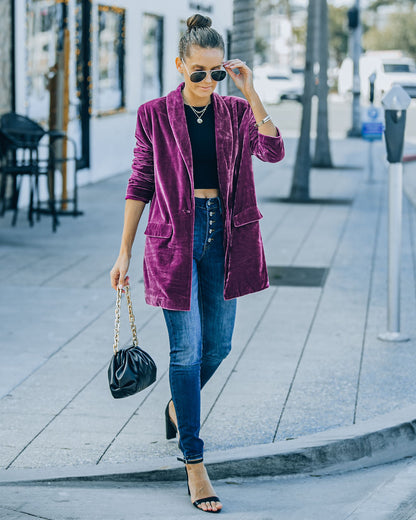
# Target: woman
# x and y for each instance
(203, 244)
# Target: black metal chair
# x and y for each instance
(21, 139)
(3, 181)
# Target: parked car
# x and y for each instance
(391, 68)
(397, 72)
(275, 85)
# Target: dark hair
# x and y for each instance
(199, 33)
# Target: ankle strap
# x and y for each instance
(187, 461)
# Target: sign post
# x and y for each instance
(372, 130)
(395, 102)
(354, 24)
(372, 127)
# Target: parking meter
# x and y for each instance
(395, 127)
(372, 79)
(395, 102)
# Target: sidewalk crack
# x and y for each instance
(334, 255)
(266, 308)
(67, 268)
(58, 350)
(131, 417)
(104, 367)
(370, 293)
(25, 513)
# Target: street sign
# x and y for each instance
(372, 127)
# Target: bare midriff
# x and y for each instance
(206, 193)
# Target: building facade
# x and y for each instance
(6, 72)
(86, 65)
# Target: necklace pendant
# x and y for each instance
(199, 120)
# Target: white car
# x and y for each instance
(395, 72)
(275, 85)
(391, 68)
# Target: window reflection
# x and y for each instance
(152, 80)
(42, 30)
(111, 35)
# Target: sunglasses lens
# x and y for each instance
(218, 75)
(198, 76)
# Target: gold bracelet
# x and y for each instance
(267, 118)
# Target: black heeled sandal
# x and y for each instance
(200, 501)
(171, 429)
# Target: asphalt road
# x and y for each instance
(379, 493)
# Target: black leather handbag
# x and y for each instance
(131, 369)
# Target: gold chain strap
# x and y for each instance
(117, 320)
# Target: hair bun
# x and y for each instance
(198, 21)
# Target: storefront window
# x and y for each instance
(111, 35)
(152, 80)
(83, 64)
(42, 31)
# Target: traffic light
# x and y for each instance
(353, 18)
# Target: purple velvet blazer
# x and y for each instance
(162, 172)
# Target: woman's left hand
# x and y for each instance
(244, 80)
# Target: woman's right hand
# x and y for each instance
(118, 273)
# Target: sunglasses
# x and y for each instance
(200, 75)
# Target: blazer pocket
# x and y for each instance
(247, 216)
(159, 230)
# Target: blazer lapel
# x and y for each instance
(224, 141)
(177, 120)
(224, 135)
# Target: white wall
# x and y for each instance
(112, 136)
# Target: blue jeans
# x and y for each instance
(201, 337)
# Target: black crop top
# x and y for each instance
(204, 154)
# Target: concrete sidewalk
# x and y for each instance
(305, 358)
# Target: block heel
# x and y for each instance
(171, 429)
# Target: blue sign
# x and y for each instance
(373, 125)
(372, 131)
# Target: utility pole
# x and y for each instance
(299, 191)
(354, 24)
(322, 157)
(243, 38)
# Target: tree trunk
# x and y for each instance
(322, 157)
(242, 42)
(300, 182)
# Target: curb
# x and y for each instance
(387, 438)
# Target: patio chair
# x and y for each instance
(21, 138)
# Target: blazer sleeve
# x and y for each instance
(141, 185)
(265, 147)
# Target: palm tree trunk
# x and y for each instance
(322, 157)
(243, 38)
(300, 181)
